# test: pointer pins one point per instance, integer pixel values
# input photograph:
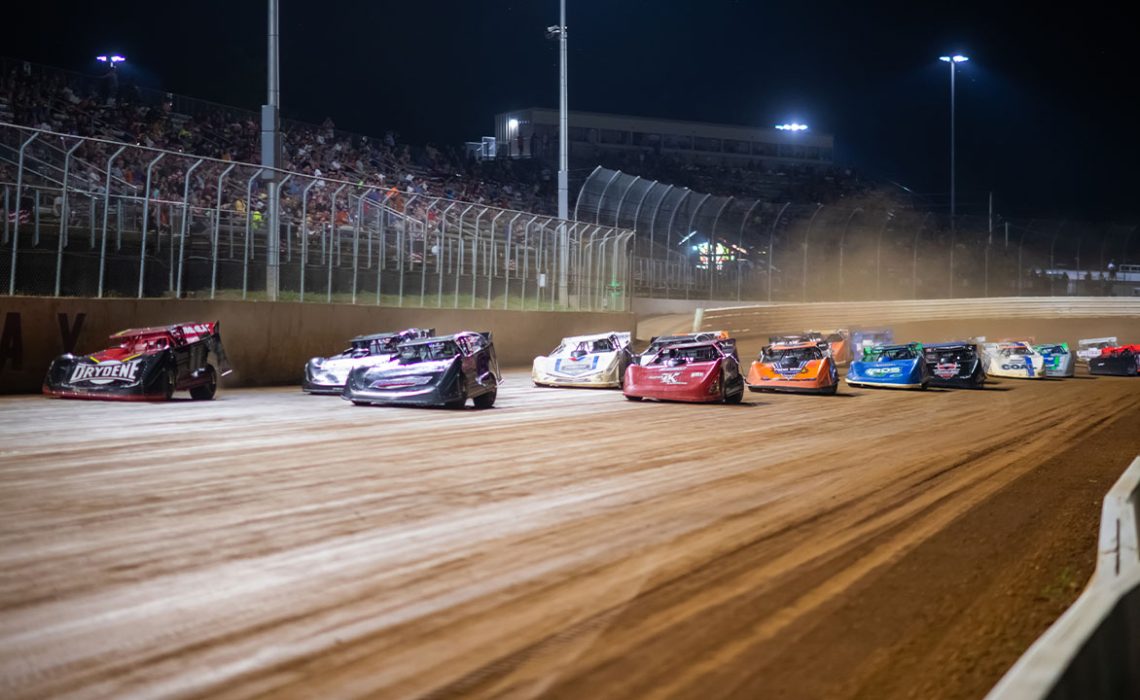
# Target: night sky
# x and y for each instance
(1047, 106)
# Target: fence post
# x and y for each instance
(689, 229)
(713, 244)
(273, 240)
(439, 254)
(424, 258)
(334, 238)
(740, 246)
(842, 242)
(185, 226)
(106, 213)
(507, 261)
(807, 243)
(356, 239)
(879, 256)
(526, 262)
(305, 232)
(624, 194)
(653, 237)
(380, 248)
(214, 238)
(16, 227)
(771, 244)
(490, 264)
(475, 257)
(36, 218)
(146, 222)
(402, 238)
(459, 265)
(64, 231)
(248, 219)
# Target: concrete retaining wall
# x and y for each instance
(267, 342)
(645, 306)
(1093, 650)
(1048, 319)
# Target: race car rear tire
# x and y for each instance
(632, 398)
(485, 400)
(360, 403)
(207, 391)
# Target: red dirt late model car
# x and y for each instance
(703, 372)
(144, 364)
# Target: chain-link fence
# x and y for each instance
(91, 217)
(704, 246)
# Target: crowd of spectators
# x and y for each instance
(104, 107)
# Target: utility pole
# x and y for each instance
(991, 216)
(271, 158)
(563, 163)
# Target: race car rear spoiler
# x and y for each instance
(215, 342)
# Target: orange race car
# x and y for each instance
(800, 367)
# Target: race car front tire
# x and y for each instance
(485, 400)
(207, 391)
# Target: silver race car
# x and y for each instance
(1088, 348)
(585, 361)
(327, 375)
(1059, 362)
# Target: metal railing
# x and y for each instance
(1093, 649)
(92, 217)
(698, 245)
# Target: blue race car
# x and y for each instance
(890, 366)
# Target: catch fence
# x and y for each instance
(697, 245)
(92, 217)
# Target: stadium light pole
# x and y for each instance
(953, 61)
(271, 155)
(563, 156)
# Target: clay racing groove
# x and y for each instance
(564, 543)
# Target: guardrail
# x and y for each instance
(743, 320)
(1093, 650)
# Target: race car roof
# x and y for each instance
(154, 330)
(375, 336)
(438, 338)
(580, 338)
(949, 345)
(897, 346)
(792, 346)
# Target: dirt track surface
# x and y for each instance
(566, 543)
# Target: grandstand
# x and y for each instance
(784, 225)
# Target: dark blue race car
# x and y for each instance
(442, 371)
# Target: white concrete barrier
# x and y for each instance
(741, 320)
(1093, 649)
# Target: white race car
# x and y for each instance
(1088, 348)
(1014, 359)
(585, 361)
